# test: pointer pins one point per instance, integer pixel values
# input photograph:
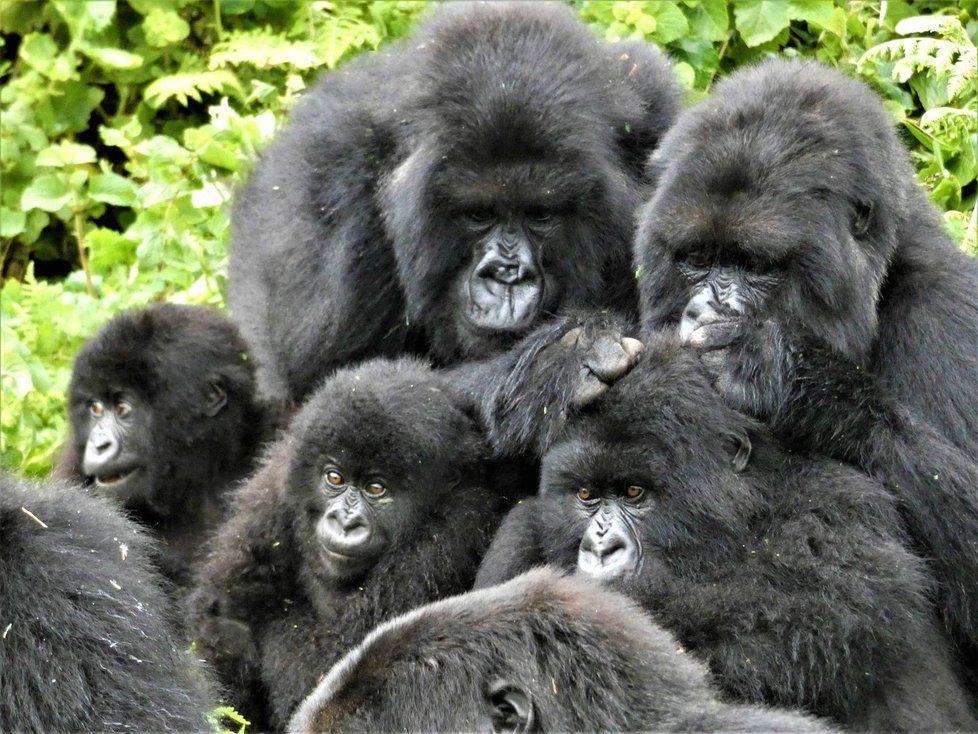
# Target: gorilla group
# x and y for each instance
(787, 574)
(372, 504)
(444, 195)
(540, 653)
(164, 419)
(86, 643)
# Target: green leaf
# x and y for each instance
(12, 222)
(49, 193)
(112, 58)
(164, 28)
(112, 189)
(184, 87)
(760, 21)
(236, 7)
(39, 51)
(709, 21)
(65, 154)
(109, 249)
(819, 12)
(670, 23)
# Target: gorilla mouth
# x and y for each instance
(114, 480)
(502, 306)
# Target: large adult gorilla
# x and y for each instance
(788, 239)
(445, 195)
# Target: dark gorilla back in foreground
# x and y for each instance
(444, 195)
(164, 419)
(543, 652)
(86, 642)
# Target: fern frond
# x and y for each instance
(264, 50)
(190, 85)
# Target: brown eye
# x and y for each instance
(583, 494)
(123, 409)
(334, 478)
(375, 489)
(633, 492)
(97, 408)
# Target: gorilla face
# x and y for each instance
(378, 448)
(772, 199)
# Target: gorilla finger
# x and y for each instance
(633, 347)
(715, 334)
(572, 337)
(607, 358)
(588, 390)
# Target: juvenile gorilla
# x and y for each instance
(86, 645)
(788, 240)
(786, 574)
(370, 506)
(164, 419)
(447, 194)
(540, 653)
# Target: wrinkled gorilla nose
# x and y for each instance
(103, 447)
(505, 287)
(346, 523)
(606, 551)
(509, 261)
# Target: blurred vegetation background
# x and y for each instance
(126, 124)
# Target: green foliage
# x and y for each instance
(126, 125)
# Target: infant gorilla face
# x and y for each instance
(378, 448)
(631, 479)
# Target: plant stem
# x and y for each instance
(82, 255)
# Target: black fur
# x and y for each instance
(270, 611)
(861, 339)
(574, 656)
(85, 642)
(193, 425)
(787, 574)
(356, 233)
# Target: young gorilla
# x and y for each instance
(786, 574)
(447, 194)
(372, 505)
(86, 644)
(164, 419)
(540, 653)
(789, 241)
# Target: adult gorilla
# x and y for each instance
(789, 240)
(445, 195)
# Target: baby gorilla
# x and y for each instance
(86, 643)
(787, 574)
(164, 420)
(540, 653)
(372, 504)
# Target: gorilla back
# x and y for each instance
(443, 195)
(86, 644)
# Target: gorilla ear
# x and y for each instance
(740, 447)
(511, 708)
(862, 218)
(215, 398)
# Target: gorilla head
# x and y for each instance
(517, 195)
(378, 448)
(783, 193)
(163, 413)
(614, 501)
(540, 653)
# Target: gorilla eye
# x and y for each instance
(480, 216)
(583, 494)
(633, 491)
(123, 409)
(538, 214)
(97, 408)
(376, 489)
(334, 478)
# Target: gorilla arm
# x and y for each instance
(515, 547)
(814, 397)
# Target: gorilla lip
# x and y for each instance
(113, 480)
